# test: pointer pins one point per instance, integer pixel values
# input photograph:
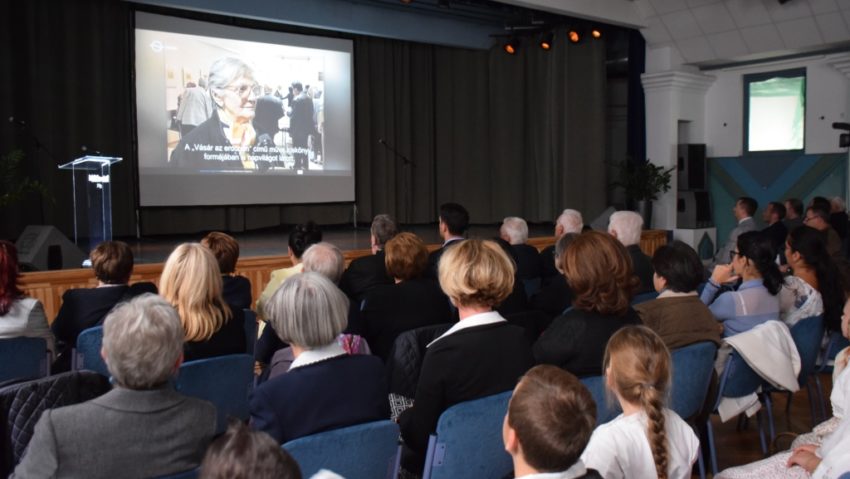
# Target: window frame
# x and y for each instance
(759, 77)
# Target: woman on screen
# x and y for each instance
(226, 140)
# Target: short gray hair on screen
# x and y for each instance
(515, 228)
(383, 229)
(324, 258)
(308, 311)
(142, 340)
(226, 70)
(571, 221)
(627, 225)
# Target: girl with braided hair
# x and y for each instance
(647, 440)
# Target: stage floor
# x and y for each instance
(273, 242)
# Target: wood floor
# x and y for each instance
(736, 447)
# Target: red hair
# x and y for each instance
(9, 291)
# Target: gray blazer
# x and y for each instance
(124, 433)
(722, 256)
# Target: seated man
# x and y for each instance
(83, 308)
(454, 221)
(744, 209)
(235, 289)
(514, 230)
(626, 226)
(773, 216)
(570, 221)
(363, 274)
(549, 421)
(142, 428)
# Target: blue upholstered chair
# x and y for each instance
(834, 345)
(604, 411)
(468, 442)
(364, 451)
(692, 369)
(87, 353)
(250, 331)
(807, 334)
(191, 474)
(223, 380)
(738, 379)
(23, 358)
(644, 297)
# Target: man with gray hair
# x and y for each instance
(142, 428)
(324, 258)
(514, 230)
(570, 221)
(626, 226)
(366, 272)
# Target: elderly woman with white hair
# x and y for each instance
(142, 428)
(325, 388)
(626, 226)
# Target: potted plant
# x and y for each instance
(14, 183)
(643, 182)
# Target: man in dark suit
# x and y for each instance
(366, 272)
(570, 221)
(776, 230)
(454, 221)
(143, 427)
(626, 226)
(301, 124)
(514, 230)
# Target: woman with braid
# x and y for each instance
(647, 440)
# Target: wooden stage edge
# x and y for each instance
(49, 286)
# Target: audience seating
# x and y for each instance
(87, 353)
(364, 451)
(224, 381)
(23, 358)
(605, 410)
(250, 331)
(644, 297)
(807, 334)
(191, 474)
(834, 345)
(468, 441)
(738, 379)
(693, 366)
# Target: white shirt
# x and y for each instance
(480, 319)
(311, 356)
(576, 470)
(620, 449)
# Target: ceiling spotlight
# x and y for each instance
(511, 46)
(573, 36)
(596, 33)
(546, 42)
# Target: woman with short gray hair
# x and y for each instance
(142, 427)
(308, 311)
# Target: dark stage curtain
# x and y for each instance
(504, 135)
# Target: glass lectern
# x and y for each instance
(92, 189)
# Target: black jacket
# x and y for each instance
(236, 291)
(642, 268)
(364, 274)
(230, 339)
(528, 264)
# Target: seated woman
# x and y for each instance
(235, 289)
(242, 453)
(142, 427)
(809, 451)
(755, 300)
(479, 356)
(814, 287)
(647, 439)
(411, 302)
(83, 308)
(191, 282)
(677, 315)
(599, 271)
(542, 440)
(325, 388)
(19, 315)
(300, 238)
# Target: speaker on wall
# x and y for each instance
(693, 172)
(42, 248)
(693, 210)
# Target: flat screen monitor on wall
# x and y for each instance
(229, 115)
(775, 111)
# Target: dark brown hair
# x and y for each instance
(406, 256)
(9, 290)
(112, 262)
(600, 273)
(553, 415)
(225, 248)
(241, 453)
(638, 365)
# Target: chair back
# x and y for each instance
(468, 442)
(738, 379)
(604, 411)
(644, 297)
(836, 343)
(808, 334)
(364, 451)
(250, 331)
(23, 358)
(224, 381)
(692, 368)
(87, 353)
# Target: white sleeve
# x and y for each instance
(601, 455)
